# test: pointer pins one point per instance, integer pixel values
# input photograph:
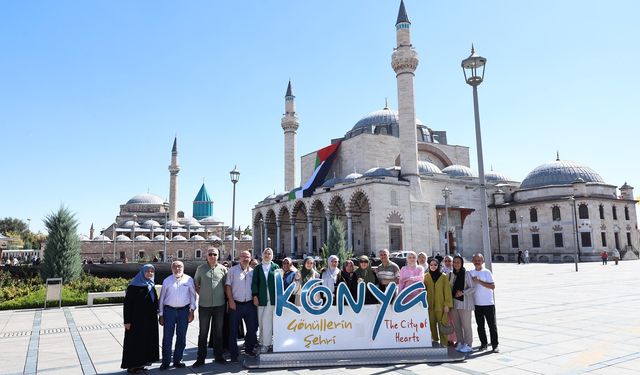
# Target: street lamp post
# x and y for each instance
(133, 238)
(473, 77)
(521, 244)
(115, 234)
(446, 193)
(235, 176)
(166, 219)
(575, 228)
(440, 225)
(102, 234)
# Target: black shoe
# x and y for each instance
(164, 366)
(179, 365)
(496, 349)
(250, 354)
(197, 363)
(482, 347)
(234, 359)
(220, 360)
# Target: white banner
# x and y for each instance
(318, 325)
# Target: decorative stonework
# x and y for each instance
(557, 228)
(513, 230)
(603, 227)
(404, 60)
(395, 218)
(534, 229)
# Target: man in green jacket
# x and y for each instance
(263, 288)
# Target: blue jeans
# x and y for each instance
(248, 312)
(175, 320)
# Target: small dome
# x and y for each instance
(332, 182)
(159, 237)
(101, 237)
(246, 237)
(189, 222)
(197, 237)
(457, 170)
(353, 176)
(228, 238)
(122, 237)
(84, 237)
(173, 224)
(559, 172)
(145, 198)
(425, 168)
(179, 238)
(379, 172)
(213, 237)
(142, 237)
(210, 220)
(270, 197)
(130, 224)
(150, 224)
(495, 177)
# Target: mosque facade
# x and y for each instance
(396, 183)
(147, 227)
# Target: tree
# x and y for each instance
(248, 231)
(10, 224)
(336, 244)
(62, 253)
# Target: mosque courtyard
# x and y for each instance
(551, 320)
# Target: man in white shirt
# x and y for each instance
(177, 304)
(484, 303)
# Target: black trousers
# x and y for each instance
(489, 313)
(210, 317)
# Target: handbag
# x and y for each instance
(443, 328)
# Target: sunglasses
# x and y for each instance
(213, 254)
(364, 261)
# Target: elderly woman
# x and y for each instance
(439, 299)
(422, 261)
(411, 273)
(140, 346)
(366, 275)
(307, 273)
(329, 275)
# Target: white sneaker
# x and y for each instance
(466, 349)
(264, 349)
(459, 347)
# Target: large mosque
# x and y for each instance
(147, 227)
(398, 184)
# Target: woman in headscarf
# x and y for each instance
(348, 276)
(140, 346)
(307, 273)
(329, 275)
(366, 275)
(411, 273)
(439, 299)
(462, 289)
(422, 261)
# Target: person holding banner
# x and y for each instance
(439, 300)
(387, 271)
(411, 273)
(307, 273)
(263, 288)
(240, 302)
(366, 275)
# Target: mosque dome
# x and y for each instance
(213, 237)
(270, 197)
(425, 167)
(559, 172)
(353, 176)
(150, 224)
(197, 237)
(495, 177)
(130, 224)
(457, 170)
(179, 238)
(159, 237)
(84, 237)
(190, 222)
(173, 224)
(246, 237)
(101, 237)
(228, 237)
(142, 237)
(386, 121)
(122, 237)
(210, 220)
(379, 172)
(145, 198)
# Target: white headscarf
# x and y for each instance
(330, 274)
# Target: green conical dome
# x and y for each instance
(202, 204)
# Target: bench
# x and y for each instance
(93, 295)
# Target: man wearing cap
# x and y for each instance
(210, 279)
(365, 274)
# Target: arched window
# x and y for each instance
(533, 214)
(614, 211)
(198, 253)
(512, 216)
(601, 209)
(180, 254)
(583, 211)
(555, 213)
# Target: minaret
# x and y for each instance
(91, 232)
(404, 62)
(290, 126)
(173, 181)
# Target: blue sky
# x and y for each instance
(92, 93)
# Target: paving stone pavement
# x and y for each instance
(551, 320)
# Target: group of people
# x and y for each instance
(523, 256)
(245, 293)
(615, 254)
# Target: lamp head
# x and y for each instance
(473, 68)
(234, 174)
